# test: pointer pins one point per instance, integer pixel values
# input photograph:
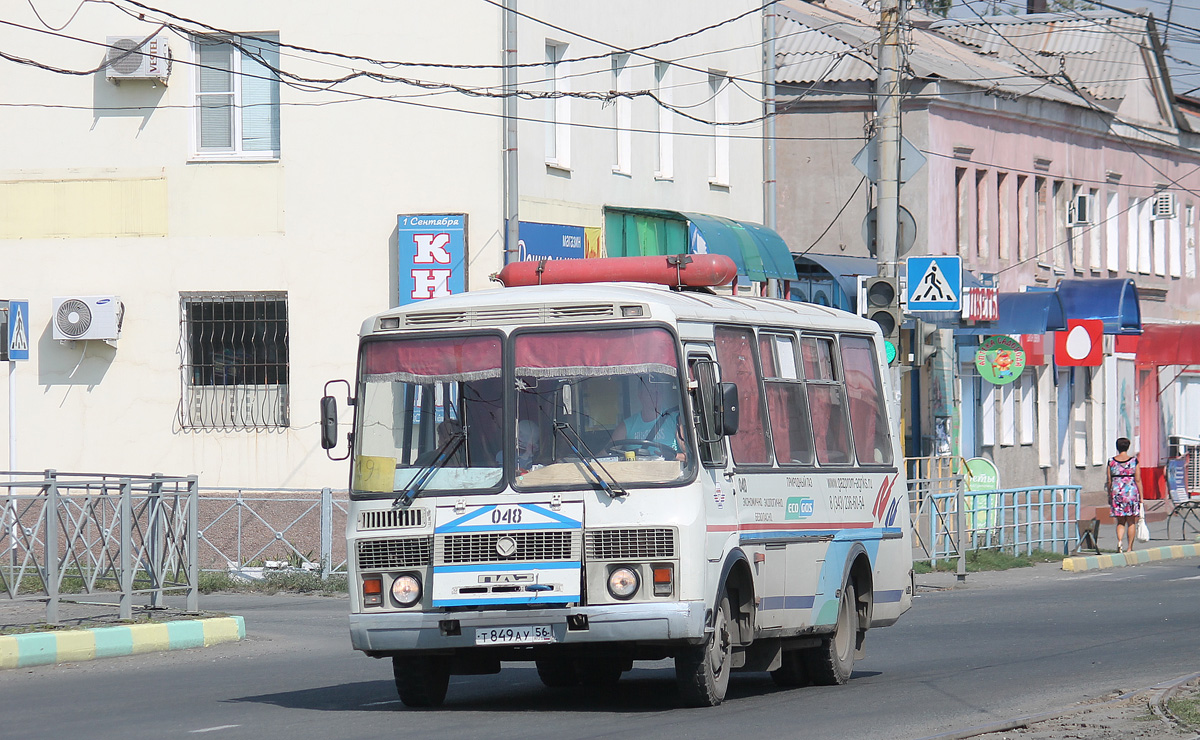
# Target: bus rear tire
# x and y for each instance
(557, 673)
(703, 672)
(421, 680)
(832, 662)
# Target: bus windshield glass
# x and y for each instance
(432, 406)
(599, 402)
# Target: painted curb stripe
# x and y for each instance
(1096, 562)
(72, 646)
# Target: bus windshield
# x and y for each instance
(599, 402)
(423, 396)
(590, 403)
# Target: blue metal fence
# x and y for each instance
(1016, 520)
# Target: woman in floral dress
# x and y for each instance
(1124, 494)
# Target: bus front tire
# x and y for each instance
(703, 672)
(421, 680)
(832, 662)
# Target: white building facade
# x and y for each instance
(241, 189)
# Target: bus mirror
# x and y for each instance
(329, 435)
(728, 408)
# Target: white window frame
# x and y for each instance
(718, 88)
(235, 152)
(663, 90)
(622, 115)
(558, 109)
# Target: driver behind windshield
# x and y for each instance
(654, 422)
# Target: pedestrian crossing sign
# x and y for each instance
(18, 330)
(934, 283)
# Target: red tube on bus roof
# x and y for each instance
(675, 270)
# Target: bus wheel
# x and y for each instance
(792, 672)
(421, 680)
(832, 662)
(703, 672)
(557, 673)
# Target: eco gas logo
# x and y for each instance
(799, 507)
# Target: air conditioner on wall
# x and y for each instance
(1163, 206)
(87, 317)
(1079, 212)
(137, 58)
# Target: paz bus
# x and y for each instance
(583, 474)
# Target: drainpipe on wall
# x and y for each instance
(512, 194)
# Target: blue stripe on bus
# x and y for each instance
(505, 566)
(888, 597)
(787, 602)
(559, 521)
(556, 600)
(875, 533)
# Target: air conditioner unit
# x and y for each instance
(1079, 212)
(87, 317)
(1164, 206)
(138, 58)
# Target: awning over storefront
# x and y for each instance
(758, 252)
(844, 270)
(1114, 301)
(1169, 344)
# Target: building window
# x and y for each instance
(237, 97)
(622, 114)
(235, 366)
(1112, 234)
(1022, 217)
(665, 167)
(1004, 211)
(558, 107)
(982, 217)
(718, 90)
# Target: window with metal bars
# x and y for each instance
(235, 370)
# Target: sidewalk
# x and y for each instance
(1182, 544)
(93, 630)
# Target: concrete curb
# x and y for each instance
(1097, 562)
(72, 646)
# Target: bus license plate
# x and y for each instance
(514, 635)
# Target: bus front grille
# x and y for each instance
(399, 552)
(391, 519)
(486, 547)
(630, 544)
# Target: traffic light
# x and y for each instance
(881, 297)
(925, 342)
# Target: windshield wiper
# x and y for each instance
(444, 453)
(614, 490)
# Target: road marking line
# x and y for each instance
(214, 729)
(381, 703)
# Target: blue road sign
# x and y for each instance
(18, 330)
(934, 283)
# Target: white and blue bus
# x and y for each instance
(585, 475)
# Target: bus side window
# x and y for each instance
(868, 412)
(735, 355)
(703, 372)
(826, 402)
(786, 402)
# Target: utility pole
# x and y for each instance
(774, 285)
(512, 194)
(887, 92)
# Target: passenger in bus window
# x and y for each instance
(653, 422)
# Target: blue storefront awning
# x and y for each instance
(1113, 300)
(758, 252)
(845, 270)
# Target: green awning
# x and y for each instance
(758, 252)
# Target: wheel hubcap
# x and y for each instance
(719, 645)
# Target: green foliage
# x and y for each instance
(992, 559)
(295, 581)
(1186, 709)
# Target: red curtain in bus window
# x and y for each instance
(868, 416)
(432, 360)
(595, 352)
(735, 355)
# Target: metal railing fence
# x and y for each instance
(242, 527)
(86, 533)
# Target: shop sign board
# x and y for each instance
(1081, 345)
(432, 256)
(983, 475)
(980, 304)
(537, 241)
(1000, 359)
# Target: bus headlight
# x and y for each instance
(406, 590)
(623, 583)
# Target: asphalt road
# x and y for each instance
(1010, 644)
